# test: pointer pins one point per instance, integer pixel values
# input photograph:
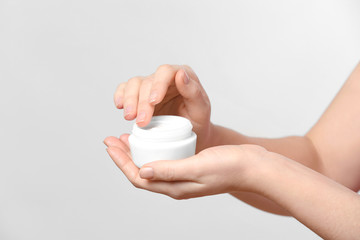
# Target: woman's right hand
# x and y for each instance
(171, 90)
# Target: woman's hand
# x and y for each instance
(171, 90)
(215, 170)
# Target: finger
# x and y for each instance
(131, 97)
(163, 77)
(127, 166)
(116, 142)
(125, 139)
(145, 108)
(124, 163)
(194, 95)
(171, 170)
(119, 96)
(108, 141)
(176, 190)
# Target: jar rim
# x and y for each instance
(164, 128)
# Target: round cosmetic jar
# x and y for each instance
(164, 138)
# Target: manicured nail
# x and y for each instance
(146, 173)
(152, 97)
(186, 78)
(141, 117)
(127, 110)
(118, 102)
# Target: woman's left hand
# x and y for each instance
(214, 170)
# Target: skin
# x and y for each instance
(313, 178)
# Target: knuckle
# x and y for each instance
(197, 91)
(170, 174)
(187, 67)
(136, 183)
(134, 79)
(130, 97)
(164, 68)
(143, 103)
(207, 106)
(147, 81)
(146, 86)
(121, 86)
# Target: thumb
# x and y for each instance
(191, 90)
(170, 170)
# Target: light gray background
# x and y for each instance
(269, 67)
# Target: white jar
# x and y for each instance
(164, 138)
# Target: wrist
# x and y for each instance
(261, 166)
(215, 136)
(211, 136)
(206, 139)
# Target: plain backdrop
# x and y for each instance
(270, 69)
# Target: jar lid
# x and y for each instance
(164, 128)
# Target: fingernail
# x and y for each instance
(152, 97)
(118, 102)
(127, 110)
(141, 117)
(146, 173)
(186, 78)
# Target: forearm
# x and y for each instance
(328, 208)
(330, 148)
(260, 202)
(298, 148)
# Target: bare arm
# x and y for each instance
(336, 136)
(332, 146)
(323, 205)
(324, 200)
(297, 148)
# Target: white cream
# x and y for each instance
(164, 138)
